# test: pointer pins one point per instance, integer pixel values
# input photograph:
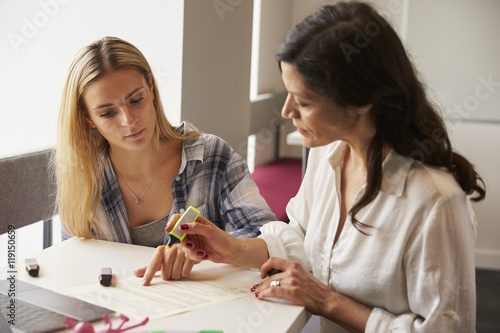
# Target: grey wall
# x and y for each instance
(216, 68)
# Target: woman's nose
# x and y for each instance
(288, 109)
(128, 117)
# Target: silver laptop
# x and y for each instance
(36, 309)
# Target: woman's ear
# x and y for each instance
(91, 123)
(86, 117)
(364, 109)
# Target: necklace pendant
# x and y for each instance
(138, 201)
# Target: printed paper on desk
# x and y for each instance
(161, 298)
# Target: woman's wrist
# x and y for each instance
(345, 311)
(331, 304)
(248, 252)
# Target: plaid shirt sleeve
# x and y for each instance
(241, 204)
(218, 183)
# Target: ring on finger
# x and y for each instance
(275, 283)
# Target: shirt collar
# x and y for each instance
(395, 168)
(395, 171)
(336, 154)
(192, 150)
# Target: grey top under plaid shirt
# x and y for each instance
(212, 177)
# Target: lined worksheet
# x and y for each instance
(162, 298)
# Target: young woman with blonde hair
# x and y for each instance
(122, 169)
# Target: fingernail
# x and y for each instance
(184, 226)
(189, 245)
(144, 283)
(257, 295)
(254, 288)
(200, 253)
(205, 257)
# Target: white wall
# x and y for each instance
(39, 39)
(271, 22)
(456, 46)
(393, 10)
(478, 141)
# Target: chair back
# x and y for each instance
(27, 190)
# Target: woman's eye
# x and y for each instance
(135, 101)
(107, 114)
(302, 105)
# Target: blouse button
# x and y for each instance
(182, 210)
(178, 178)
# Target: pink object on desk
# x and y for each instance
(84, 327)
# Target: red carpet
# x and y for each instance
(278, 182)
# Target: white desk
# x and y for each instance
(77, 262)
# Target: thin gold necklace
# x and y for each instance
(138, 199)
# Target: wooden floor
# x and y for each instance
(488, 301)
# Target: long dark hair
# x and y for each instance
(350, 54)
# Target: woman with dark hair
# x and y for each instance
(383, 218)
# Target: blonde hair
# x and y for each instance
(77, 159)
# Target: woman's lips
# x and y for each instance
(301, 131)
(135, 135)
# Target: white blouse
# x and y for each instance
(415, 268)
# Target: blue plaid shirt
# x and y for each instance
(212, 177)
